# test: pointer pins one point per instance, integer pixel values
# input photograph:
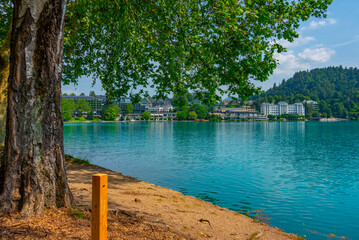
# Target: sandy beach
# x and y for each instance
(137, 210)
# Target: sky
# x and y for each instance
(332, 41)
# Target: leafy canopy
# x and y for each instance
(176, 46)
(5, 18)
(129, 108)
(82, 105)
(68, 106)
(111, 112)
(146, 115)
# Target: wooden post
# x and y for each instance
(99, 207)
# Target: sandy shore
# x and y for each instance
(171, 211)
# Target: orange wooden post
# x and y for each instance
(99, 207)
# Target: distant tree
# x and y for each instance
(82, 106)
(68, 106)
(182, 115)
(129, 108)
(92, 94)
(64, 94)
(270, 99)
(111, 112)
(309, 108)
(66, 116)
(82, 94)
(339, 110)
(354, 115)
(214, 118)
(90, 115)
(192, 115)
(271, 117)
(315, 115)
(292, 117)
(146, 115)
(285, 116)
(180, 101)
(200, 110)
(72, 94)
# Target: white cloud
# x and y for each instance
(316, 24)
(289, 63)
(317, 54)
(297, 42)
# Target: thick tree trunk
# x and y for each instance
(4, 75)
(33, 168)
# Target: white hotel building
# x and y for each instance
(282, 108)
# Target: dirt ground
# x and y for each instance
(137, 210)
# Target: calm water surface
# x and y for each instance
(303, 176)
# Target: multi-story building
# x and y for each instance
(236, 113)
(137, 107)
(282, 108)
(313, 103)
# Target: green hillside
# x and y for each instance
(336, 89)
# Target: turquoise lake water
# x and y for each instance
(303, 176)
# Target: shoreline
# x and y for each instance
(182, 215)
(136, 210)
(219, 121)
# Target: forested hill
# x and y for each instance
(335, 88)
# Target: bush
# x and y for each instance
(90, 115)
(192, 115)
(67, 116)
(111, 112)
(146, 116)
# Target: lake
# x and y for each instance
(302, 177)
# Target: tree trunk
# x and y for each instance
(4, 75)
(33, 168)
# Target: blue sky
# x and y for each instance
(326, 42)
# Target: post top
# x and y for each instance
(99, 175)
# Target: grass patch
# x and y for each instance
(76, 213)
(72, 159)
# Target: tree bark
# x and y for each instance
(32, 171)
(4, 75)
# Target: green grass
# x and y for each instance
(72, 159)
(76, 213)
